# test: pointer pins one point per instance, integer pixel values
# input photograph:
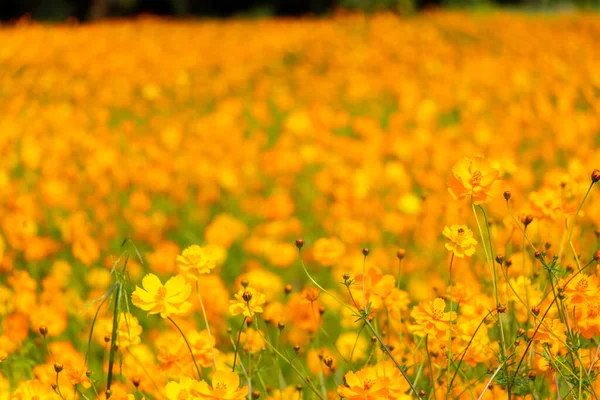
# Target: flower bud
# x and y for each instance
(255, 394)
(299, 243)
(507, 195)
(43, 330)
(535, 310)
(247, 296)
(288, 288)
(500, 259)
(58, 367)
(365, 251)
(400, 254)
(595, 175)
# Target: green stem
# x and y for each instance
(573, 224)
(237, 344)
(188, 346)
(210, 339)
(113, 340)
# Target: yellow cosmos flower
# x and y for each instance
(195, 260)
(247, 301)
(225, 385)
(166, 300)
(475, 178)
(185, 389)
(364, 384)
(461, 239)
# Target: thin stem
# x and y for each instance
(450, 325)
(467, 348)
(492, 268)
(113, 340)
(237, 344)
(210, 338)
(573, 223)
(430, 368)
(188, 346)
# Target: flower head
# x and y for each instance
(196, 260)
(225, 385)
(432, 319)
(364, 384)
(461, 241)
(185, 389)
(475, 178)
(166, 300)
(248, 301)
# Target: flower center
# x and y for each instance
(221, 386)
(369, 383)
(183, 395)
(582, 285)
(161, 293)
(476, 178)
(438, 314)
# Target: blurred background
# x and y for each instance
(89, 10)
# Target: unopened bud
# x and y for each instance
(255, 394)
(500, 259)
(365, 252)
(247, 296)
(595, 175)
(400, 254)
(58, 367)
(288, 288)
(507, 195)
(43, 330)
(535, 310)
(299, 243)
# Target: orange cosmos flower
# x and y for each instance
(475, 178)
(166, 300)
(461, 239)
(225, 385)
(431, 318)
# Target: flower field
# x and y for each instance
(358, 207)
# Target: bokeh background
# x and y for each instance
(87, 10)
